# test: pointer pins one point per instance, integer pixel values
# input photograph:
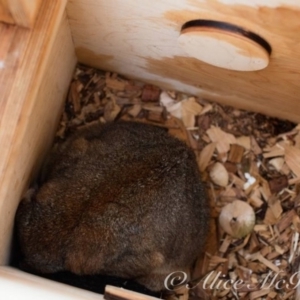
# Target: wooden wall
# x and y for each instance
(19, 12)
(139, 39)
(36, 67)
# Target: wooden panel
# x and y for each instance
(140, 39)
(20, 12)
(31, 108)
(5, 15)
(16, 284)
(14, 41)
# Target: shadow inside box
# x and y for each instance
(92, 283)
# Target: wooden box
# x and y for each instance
(138, 39)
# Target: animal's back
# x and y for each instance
(124, 199)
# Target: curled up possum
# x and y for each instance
(123, 199)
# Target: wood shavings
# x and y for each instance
(207, 108)
(255, 198)
(206, 155)
(74, 96)
(277, 184)
(277, 163)
(255, 147)
(150, 93)
(189, 109)
(115, 84)
(292, 159)
(259, 257)
(171, 105)
(274, 151)
(236, 153)
(135, 110)
(111, 110)
(259, 154)
(244, 141)
(221, 138)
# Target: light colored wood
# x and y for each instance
(31, 108)
(5, 15)
(16, 284)
(223, 49)
(112, 292)
(19, 12)
(140, 39)
(14, 41)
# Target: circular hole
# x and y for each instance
(225, 45)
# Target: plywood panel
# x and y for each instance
(34, 97)
(20, 12)
(16, 284)
(5, 15)
(140, 39)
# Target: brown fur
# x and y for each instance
(124, 199)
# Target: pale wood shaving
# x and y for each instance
(221, 138)
(206, 155)
(292, 159)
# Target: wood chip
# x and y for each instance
(266, 262)
(221, 138)
(230, 167)
(74, 96)
(292, 159)
(225, 244)
(205, 156)
(236, 153)
(244, 141)
(189, 109)
(276, 150)
(296, 223)
(155, 116)
(286, 220)
(150, 93)
(177, 129)
(255, 147)
(111, 110)
(135, 110)
(278, 183)
(115, 84)
(254, 243)
(277, 163)
(115, 293)
(259, 294)
(255, 198)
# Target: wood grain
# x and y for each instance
(19, 12)
(5, 15)
(141, 41)
(33, 101)
(21, 285)
(223, 49)
(116, 293)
